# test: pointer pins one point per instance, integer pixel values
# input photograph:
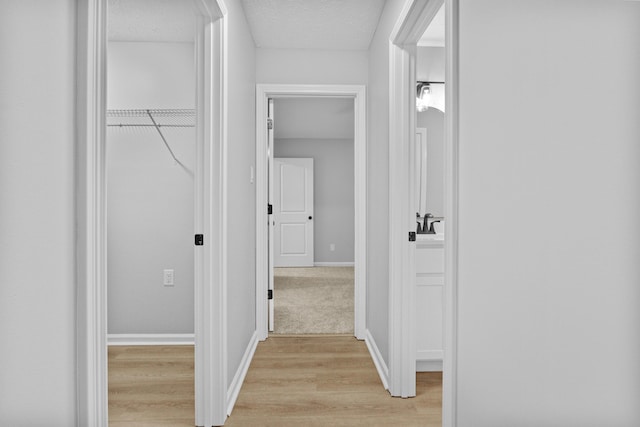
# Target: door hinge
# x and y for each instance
(199, 239)
(269, 123)
(412, 236)
(270, 294)
(270, 209)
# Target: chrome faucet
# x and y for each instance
(427, 225)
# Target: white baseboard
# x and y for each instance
(150, 339)
(428, 365)
(334, 264)
(241, 373)
(383, 370)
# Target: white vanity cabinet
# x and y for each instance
(429, 303)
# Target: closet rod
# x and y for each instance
(141, 112)
(122, 125)
(162, 136)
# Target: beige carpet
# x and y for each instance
(316, 300)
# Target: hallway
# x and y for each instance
(328, 381)
(292, 381)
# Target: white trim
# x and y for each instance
(262, 218)
(451, 200)
(150, 339)
(91, 313)
(413, 21)
(91, 280)
(402, 325)
(270, 200)
(428, 365)
(334, 264)
(378, 360)
(357, 92)
(241, 373)
(210, 325)
(433, 43)
(423, 355)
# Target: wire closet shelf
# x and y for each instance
(153, 118)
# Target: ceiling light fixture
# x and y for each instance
(425, 96)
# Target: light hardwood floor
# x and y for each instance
(151, 386)
(293, 381)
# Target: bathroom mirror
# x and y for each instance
(430, 107)
(420, 196)
(429, 150)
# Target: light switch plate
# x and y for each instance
(168, 277)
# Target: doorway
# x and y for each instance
(410, 26)
(264, 175)
(313, 215)
(210, 53)
(150, 202)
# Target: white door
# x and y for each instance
(293, 212)
(270, 133)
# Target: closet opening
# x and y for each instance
(167, 47)
(150, 158)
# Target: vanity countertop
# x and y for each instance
(430, 239)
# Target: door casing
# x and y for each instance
(411, 24)
(264, 92)
(210, 194)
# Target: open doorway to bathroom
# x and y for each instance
(313, 216)
(421, 75)
(429, 197)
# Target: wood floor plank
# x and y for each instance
(292, 381)
(151, 385)
(343, 390)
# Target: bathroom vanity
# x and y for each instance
(429, 301)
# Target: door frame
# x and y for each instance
(358, 94)
(413, 21)
(90, 180)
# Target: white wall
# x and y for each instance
(549, 295)
(430, 67)
(241, 194)
(150, 199)
(323, 129)
(296, 66)
(150, 75)
(37, 289)
(378, 179)
(321, 118)
(430, 64)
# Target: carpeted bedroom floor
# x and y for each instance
(314, 300)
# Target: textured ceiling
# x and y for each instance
(434, 36)
(313, 118)
(151, 20)
(313, 24)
